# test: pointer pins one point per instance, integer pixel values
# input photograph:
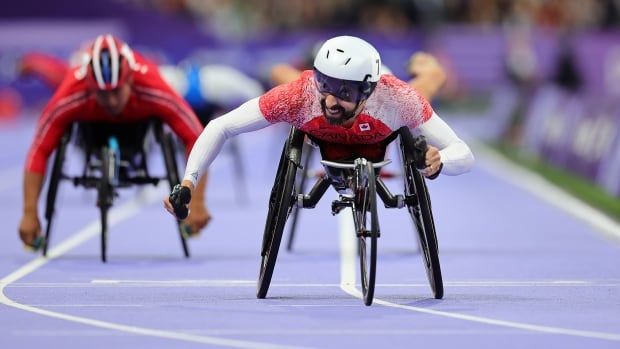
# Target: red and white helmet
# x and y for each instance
(108, 63)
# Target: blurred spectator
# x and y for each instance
(242, 19)
(521, 66)
(566, 74)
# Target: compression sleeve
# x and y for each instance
(456, 156)
(246, 118)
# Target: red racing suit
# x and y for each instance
(393, 104)
(151, 97)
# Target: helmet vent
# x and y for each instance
(339, 50)
(348, 60)
(327, 54)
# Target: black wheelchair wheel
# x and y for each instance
(105, 195)
(308, 150)
(52, 190)
(367, 238)
(104, 233)
(419, 207)
(172, 175)
(281, 202)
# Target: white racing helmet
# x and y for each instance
(348, 68)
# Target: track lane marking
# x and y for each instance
(546, 191)
(348, 258)
(116, 215)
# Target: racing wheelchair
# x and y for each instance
(114, 157)
(358, 184)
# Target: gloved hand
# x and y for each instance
(426, 158)
(179, 199)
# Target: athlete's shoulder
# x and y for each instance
(73, 85)
(397, 103)
(392, 82)
(287, 101)
(147, 74)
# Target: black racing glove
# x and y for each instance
(419, 152)
(420, 147)
(179, 198)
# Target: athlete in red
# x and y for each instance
(111, 84)
(347, 105)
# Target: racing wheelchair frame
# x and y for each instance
(359, 185)
(115, 157)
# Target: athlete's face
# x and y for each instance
(335, 110)
(114, 101)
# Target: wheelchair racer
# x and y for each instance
(345, 102)
(209, 89)
(111, 84)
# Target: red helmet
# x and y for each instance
(110, 63)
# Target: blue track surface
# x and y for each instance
(518, 271)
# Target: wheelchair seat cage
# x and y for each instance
(114, 157)
(358, 184)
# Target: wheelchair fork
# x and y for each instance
(114, 168)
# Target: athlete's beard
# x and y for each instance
(344, 115)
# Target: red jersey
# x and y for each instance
(151, 97)
(392, 105)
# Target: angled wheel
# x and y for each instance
(172, 175)
(419, 207)
(301, 187)
(366, 221)
(55, 177)
(105, 194)
(281, 202)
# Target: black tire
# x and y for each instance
(301, 187)
(52, 190)
(281, 201)
(367, 240)
(105, 192)
(420, 209)
(104, 233)
(172, 175)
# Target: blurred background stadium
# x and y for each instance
(537, 80)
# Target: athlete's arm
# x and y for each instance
(48, 68)
(245, 118)
(176, 113)
(55, 119)
(455, 154)
(428, 76)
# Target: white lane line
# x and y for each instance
(314, 305)
(116, 216)
(347, 284)
(102, 283)
(60, 305)
(214, 282)
(285, 332)
(348, 251)
(543, 189)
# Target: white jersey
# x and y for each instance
(392, 105)
(220, 85)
